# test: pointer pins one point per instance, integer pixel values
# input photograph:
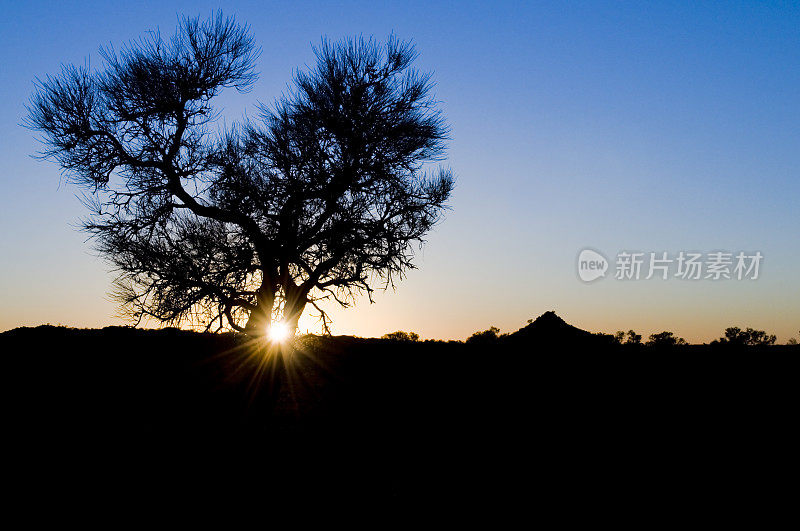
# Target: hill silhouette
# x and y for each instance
(384, 421)
(551, 329)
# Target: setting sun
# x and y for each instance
(278, 332)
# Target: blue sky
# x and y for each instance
(610, 125)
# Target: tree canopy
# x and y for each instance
(749, 337)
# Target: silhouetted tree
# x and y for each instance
(627, 338)
(402, 336)
(735, 336)
(323, 197)
(665, 339)
(485, 337)
(633, 338)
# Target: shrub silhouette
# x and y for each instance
(750, 337)
(401, 336)
(664, 339)
(486, 337)
(632, 338)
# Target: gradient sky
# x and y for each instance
(615, 126)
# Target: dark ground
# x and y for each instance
(548, 420)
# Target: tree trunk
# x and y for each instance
(292, 316)
(261, 316)
(295, 304)
(256, 323)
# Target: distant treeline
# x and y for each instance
(733, 337)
